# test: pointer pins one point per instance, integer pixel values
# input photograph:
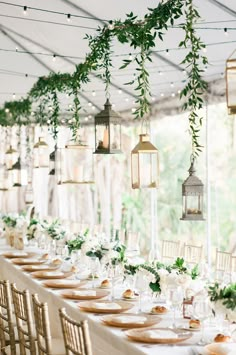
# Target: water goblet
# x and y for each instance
(174, 299)
(202, 311)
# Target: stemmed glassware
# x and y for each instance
(114, 273)
(141, 284)
(175, 300)
(94, 268)
(202, 310)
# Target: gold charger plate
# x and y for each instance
(90, 306)
(64, 283)
(141, 335)
(81, 294)
(23, 261)
(115, 320)
(51, 274)
(17, 254)
(40, 267)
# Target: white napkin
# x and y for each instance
(130, 319)
(84, 293)
(107, 306)
(53, 273)
(221, 349)
(162, 334)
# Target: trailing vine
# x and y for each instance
(196, 86)
(141, 35)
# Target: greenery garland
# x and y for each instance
(139, 34)
(226, 294)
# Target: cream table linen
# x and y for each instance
(105, 340)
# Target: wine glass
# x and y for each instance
(141, 284)
(94, 268)
(114, 273)
(202, 311)
(174, 298)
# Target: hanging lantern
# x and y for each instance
(107, 131)
(29, 194)
(10, 157)
(231, 85)
(52, 162)
(19, 174)
(144, 164)
(75, 164)
(192, 192)
(41, 154)
(5, 179)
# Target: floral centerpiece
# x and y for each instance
(54, 230)
(77, 242)
(33, 229)
(224, 298)
(164, 276)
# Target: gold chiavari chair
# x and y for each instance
(192, 254)
(7, 329)
(76, 335)
(170, 250)
(223, 264)
(24, 321)
(46, 344)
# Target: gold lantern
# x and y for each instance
(144, 164)
(10, 157)
(75, 164)
(19, 174)
(41, 154)
(192, 193)
(5, 178)
(231, 84)
(29, 194)
(107, 131)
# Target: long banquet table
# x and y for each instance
(105, 340)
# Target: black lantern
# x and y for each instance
(107, 131)
(192, 193)
(29, 194)
(52, 162)
(10, 157)
(41, 154)
(144, 164)
(5, 178)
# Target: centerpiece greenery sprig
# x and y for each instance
(225, 294)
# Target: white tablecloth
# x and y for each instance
(106, 340)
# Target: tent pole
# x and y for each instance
(208, 192)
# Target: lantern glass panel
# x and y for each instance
(102, 137)
(135, 170)
(10, 157)
(29, 195)
(19, 177)
(76, 165)
(231, 84)
(41, 154)
(5, 179)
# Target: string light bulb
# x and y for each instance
(25, 10)
(110, 26)
(93, 93)
(204, 49)
(167, 52)
(13, 96)
(68, 17)
(172, 84)
(130, 57)
(54, 57)
(226, 32)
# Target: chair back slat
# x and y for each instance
(76, 335)
(223, 264)
(24, 320)
(42, 326)
(170, 250)
(192, 253)
(6, 317)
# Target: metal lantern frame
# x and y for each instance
(41, 154)
(80, 148)
(111, 140)
(18, 169)
(231, 84)
(29, 194)
(145, 147)
(5, 181)
(10, 157)
(192, 188)
(52, 162)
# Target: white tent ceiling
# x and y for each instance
(44, 34)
